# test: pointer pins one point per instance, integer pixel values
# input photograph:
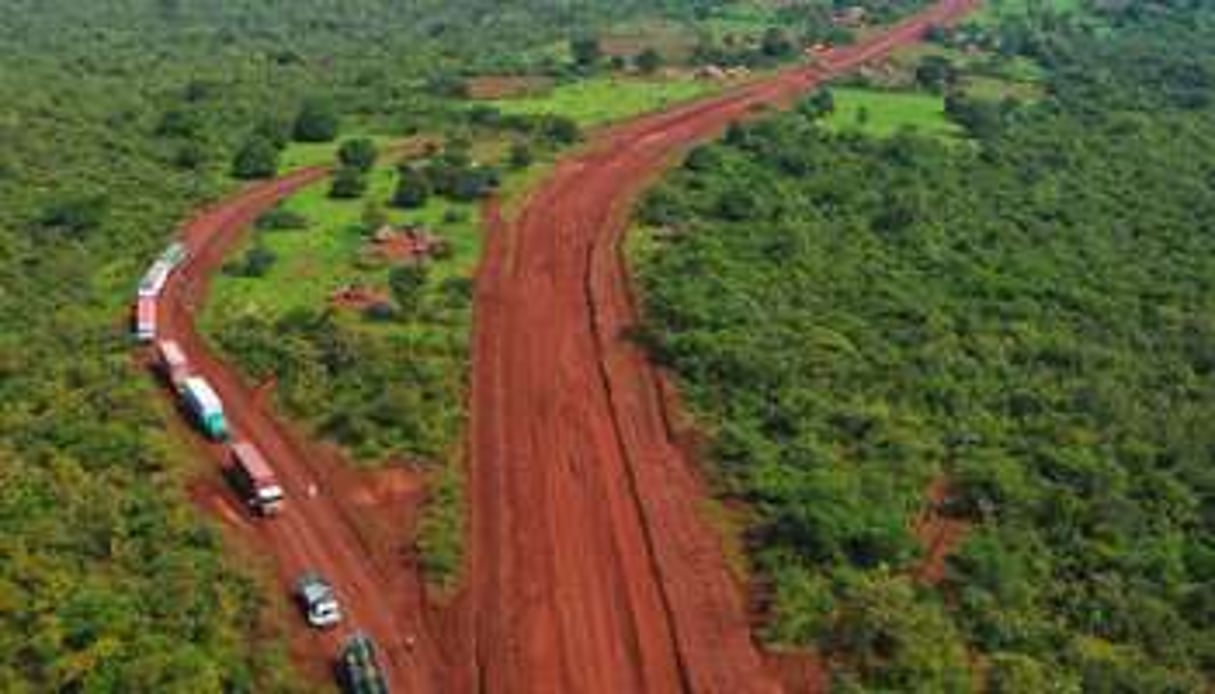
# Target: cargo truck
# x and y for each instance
(358, 670)
(174, 254)
(173, 364)
(154, 279)
(206, 407)
(145, 319)
(255, 480)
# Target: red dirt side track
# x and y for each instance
(592, 567)
(378, 595)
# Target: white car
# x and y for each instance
(317, 599)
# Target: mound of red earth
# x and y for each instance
(591, 567)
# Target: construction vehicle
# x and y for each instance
(206, 407)
(255, 480)
(317, 599)
(358, 670)
(173, 364)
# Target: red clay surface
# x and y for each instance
(938, 534)
(591, 567)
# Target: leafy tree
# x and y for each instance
(274, 130)
(818, 105)
(359, 153)
(777, 44)
(190, 155)
(256, 262)
(281, 218)
(521, 156)
(256, 158)
(936, 73)
(348, 182)
(586, 51)
(560, 130)
(75, 215)
(317, 121)
(406, 283)
(649, 61)
(413, 188)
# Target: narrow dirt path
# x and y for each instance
(379, 595)
(592, 569)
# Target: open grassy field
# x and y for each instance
(603, 100)
(312, 262)
(883, 113)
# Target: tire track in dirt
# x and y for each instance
(591, 568)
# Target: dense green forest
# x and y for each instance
(1029, 315)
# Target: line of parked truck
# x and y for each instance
(357, 668)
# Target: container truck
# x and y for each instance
(206, 407)
(154, 279)
(173, 364)
(358, 670)
(145, 319)
(174, 254)
(255, 480)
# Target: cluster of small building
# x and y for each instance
(717, 72)
(409, 243)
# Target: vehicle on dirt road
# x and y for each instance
(318, 600)
(358, 670)
(208, 411)
(145, 319)
(173, 364)
(255, 480)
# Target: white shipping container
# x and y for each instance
(199, 393)
(174, 254)
(173, 362)
(154, 280)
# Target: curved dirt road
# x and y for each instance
(592, 567)
(378, 595)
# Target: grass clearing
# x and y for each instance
(298, 155)
(312, 262)
(602, 100)
(884, 113)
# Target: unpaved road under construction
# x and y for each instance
(591, 567)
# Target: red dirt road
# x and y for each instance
(592, 569)
(327, 532)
